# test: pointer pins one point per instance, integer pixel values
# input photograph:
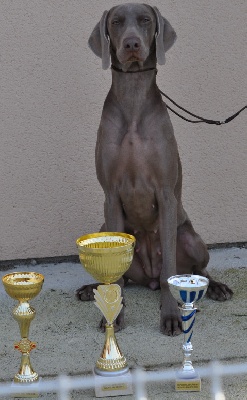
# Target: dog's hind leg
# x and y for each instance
(193, 257)
(136, 273)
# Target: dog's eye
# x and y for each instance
(115, 22)
(146, 19)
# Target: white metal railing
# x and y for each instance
(64, 384)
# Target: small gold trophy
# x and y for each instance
(188, 289)
(107, 256)
(24, 286)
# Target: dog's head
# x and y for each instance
(130, 32)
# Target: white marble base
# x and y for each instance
(32, 394)
(120, 388)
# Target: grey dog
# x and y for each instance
(137, 160)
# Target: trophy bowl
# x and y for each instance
(23, 285)
(188, 289)
(106, 255)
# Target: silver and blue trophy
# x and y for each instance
(187, 290)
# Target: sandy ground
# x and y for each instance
(69, 342)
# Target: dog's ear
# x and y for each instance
(165, 36)
(99, 42)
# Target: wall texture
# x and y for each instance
(52, 92)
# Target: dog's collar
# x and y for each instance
(132, 72)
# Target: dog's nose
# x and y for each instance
(132, 44)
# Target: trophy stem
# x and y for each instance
(23, 313)
(111, 361)
(188, 320)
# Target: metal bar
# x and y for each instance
(63, 385)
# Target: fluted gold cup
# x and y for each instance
(24, 286)
(107, 256)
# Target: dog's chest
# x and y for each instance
(135, 151)
(141, 154)
(139, 147)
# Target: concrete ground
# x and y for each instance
(69, 342)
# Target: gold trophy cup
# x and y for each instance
(24, 286)
(107, 256)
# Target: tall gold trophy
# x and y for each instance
(107, 256)
(24, 286)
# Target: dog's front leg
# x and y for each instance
(114, 217)
(114, 222)
(170, 322)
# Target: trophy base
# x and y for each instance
(184, 384)
(34, 386)
(120, 388)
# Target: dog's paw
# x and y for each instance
(85, 293)
(171, 325)
(219, 291)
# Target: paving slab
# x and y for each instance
(69, 341)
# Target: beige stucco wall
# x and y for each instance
(52, 92)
